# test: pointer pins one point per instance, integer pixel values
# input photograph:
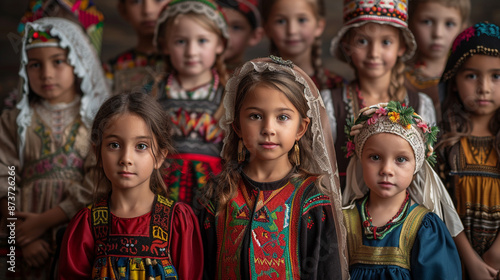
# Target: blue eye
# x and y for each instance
(401, 159)
(496, 76)
(387, 42)
(450, 24)
(202, 41)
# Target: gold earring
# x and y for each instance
(296, 155)
(241, 151)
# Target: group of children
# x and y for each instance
(178, 160)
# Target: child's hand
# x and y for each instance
(481, 270)
(36, 253)
(492, 258)
(30, 229)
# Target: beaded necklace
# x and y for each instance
(373, 232)
(214, 84)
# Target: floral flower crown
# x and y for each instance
(397, 118)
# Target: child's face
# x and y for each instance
(192, 47)
(435, 26)
(293, 27)
(388, 165)
(478, 84)
(269, 126)
(142, 14)
(50, 76)
(241, 34)
(126, 151)
(374, 49)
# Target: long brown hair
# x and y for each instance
(224, 186)
(319, 11)
(146, 107)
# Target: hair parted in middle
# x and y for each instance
(148, 109)
(198, 11)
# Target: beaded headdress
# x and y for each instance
(204, 7)
(396, 118)
(81, 56)
(322, 143)
(249, 8)
(360, 12)
(83, 11)
(481, 38)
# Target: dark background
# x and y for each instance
(118, 36)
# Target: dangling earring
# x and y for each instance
(296, 155)
(241, 151)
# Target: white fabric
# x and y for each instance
(87, 66)
(426, 109)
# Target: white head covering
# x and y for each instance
(324, 160)
(81, 55)
(427, 188)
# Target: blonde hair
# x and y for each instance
(207, 24)
(318, 8)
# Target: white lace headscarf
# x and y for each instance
(323, 157)
(426, 188)
(81, 55)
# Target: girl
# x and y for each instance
(192, 34)
(274, 209)
(390, 193)
(132, 230)
(470, 144)
(375, 41)
(138, 66)
(295, 29)
(44, 140)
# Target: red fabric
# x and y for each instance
(213, 162)
(186, 248)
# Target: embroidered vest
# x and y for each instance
(399, 256)
(119, 255)
(273, 227)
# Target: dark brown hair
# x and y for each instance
(146, 107)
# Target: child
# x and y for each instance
(140, 65)
(390, 193)
(435, 24)
(193, 35)
(44, 140)
(274, 211)
(375, 41)
(244, 23)
(470, 144)
(132, 231)
(295, 28)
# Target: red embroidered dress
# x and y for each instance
(279, 230)
(164, 243)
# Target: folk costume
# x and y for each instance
(145, 247)
(471, 166)
(347, 100)
(416, 238)
(285, 229)
(197, 136)
(47, 144)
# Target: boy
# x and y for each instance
(245, 29)
(435, 24)
(140, 65)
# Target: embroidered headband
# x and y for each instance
(203, 7)
(481, 38)
(395, 118)
(40, 39)
(83, 11)
(249, 9)
(360, 12)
